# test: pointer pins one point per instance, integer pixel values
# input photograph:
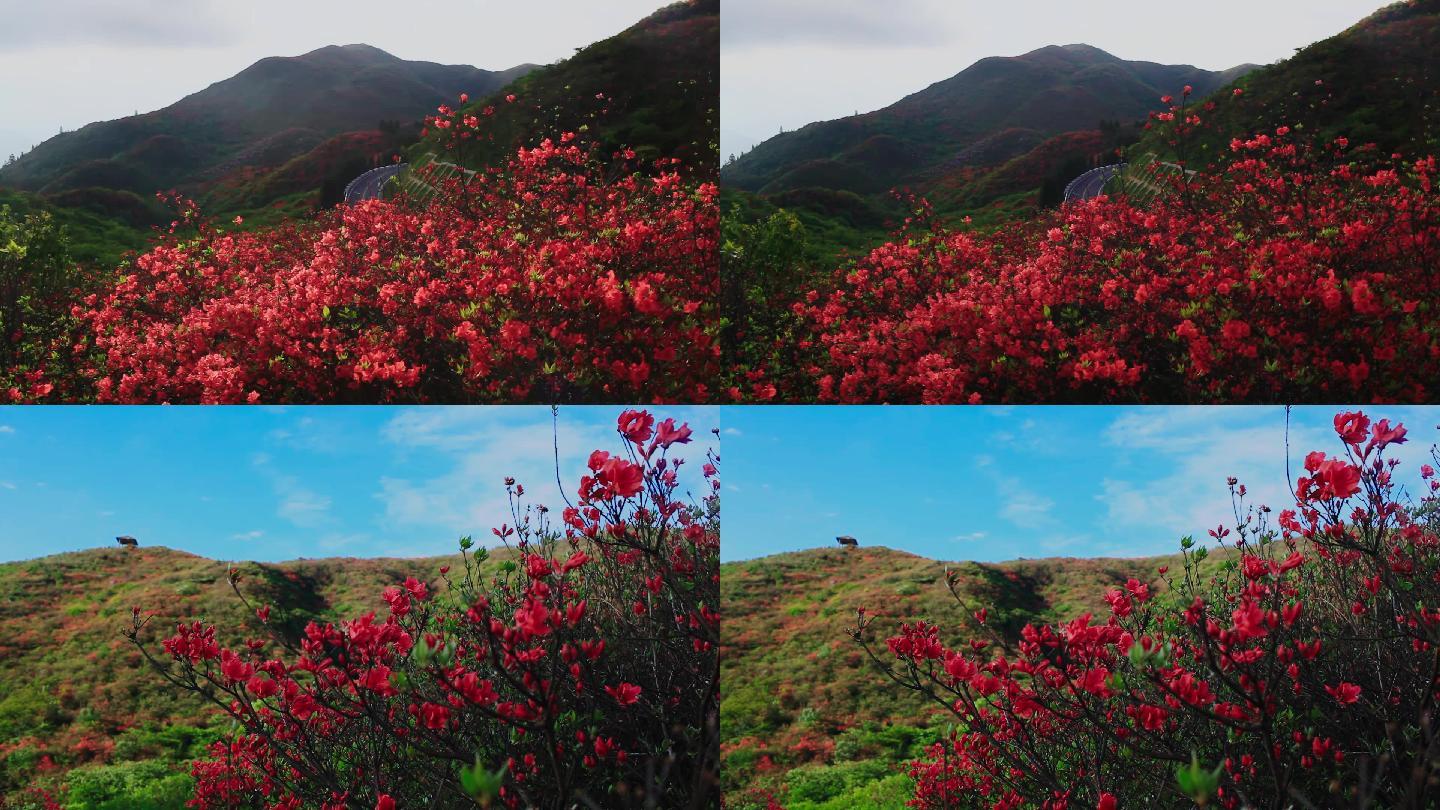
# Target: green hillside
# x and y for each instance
(101, 225)
(1376, 82)
(992, 144)
(272, 142)
(273, 111)
(82, 714)
(805, 717)
(660, 80)
(997, 109)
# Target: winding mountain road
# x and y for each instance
(371, 184)
(1089, 185)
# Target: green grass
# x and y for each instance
(806, 717)
(94, 239)
(117, 734)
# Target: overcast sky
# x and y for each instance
(786, 63)
(67, 63)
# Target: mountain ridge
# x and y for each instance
(307, 98)
(1049, 90)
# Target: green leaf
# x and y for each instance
(480, 784)
(1197, 781)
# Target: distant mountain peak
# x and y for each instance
(1043, 93)
(276, 109)
(1088, 50)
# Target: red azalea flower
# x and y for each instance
(1344, 693)
(626, 694)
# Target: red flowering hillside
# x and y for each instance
(804, 719)
(585, 672)
(83, 716)
(1296, 272)
(1300, 672)
(576, 662)
(555, 278)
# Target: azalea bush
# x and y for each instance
(579, 671)
(1294, 270)
(1297, 667)
(563, 275)
(544, 280)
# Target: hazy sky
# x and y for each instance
(790, 62)
(995, 483)
(281, 483)
(67, 63)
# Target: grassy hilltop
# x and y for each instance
(806, 717)
(82, 712)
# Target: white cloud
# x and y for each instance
(301, 506)
(6, 485)
(1201, 447)
(254, 534)
(6, 429)
(297, 503)
(450, 477)
(968, 538)
(1022, 506)
(482, 446)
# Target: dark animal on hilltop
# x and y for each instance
(126, 540)
(847, 540)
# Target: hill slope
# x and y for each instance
(660, 79)
(269, 113)
(1007, 105)
(82, 709)
(1376, 82)
(800, 695)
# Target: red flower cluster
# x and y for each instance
(580, 668)
(544, 280)
(1285, 672)
(1293, 273)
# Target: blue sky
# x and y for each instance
(281, 483)
(1000, 483)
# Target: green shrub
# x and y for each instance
(149, 785)
(885, 793)
(175, 741)
(17, 767)
(751, 709)
(28, 710)
(814, 783)
(835, 786)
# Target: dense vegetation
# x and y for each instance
(653, 89)
(804, 720)
(1290, 269)
(236, 132)
(575, 662)
(986, 146)
(85, 719)
(572, 267)
(1299, 672)
(1376, 82)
